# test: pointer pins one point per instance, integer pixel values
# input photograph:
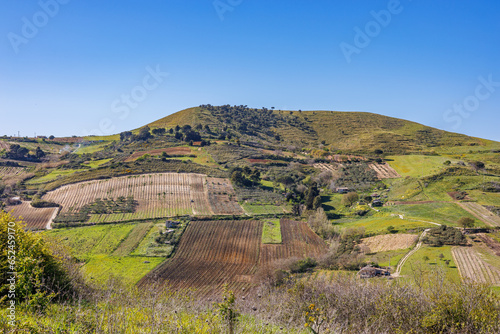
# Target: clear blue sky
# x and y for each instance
(69, 70)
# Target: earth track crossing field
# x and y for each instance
(158, 195)
(213, 253)
(388, 242)
(35, 218)
(472, 267)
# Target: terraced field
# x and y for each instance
(384, 171)
(11, 171)
(35, 218)
(158, 195)
(169, 150)
(325, 167)
(472, 267)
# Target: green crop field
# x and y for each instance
(438, 212)
(417, 165)
(271, 232)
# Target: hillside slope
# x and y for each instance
(349, 131)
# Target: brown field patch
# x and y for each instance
(169, 150)
(35, 218)
(213, 253)
(472, 267)
(158, 195)
(258, 161)
(388, 242)
(384, 171)
(298, 240)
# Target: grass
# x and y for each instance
(417, 263)
(85, 242)
(148, 246)
(95, 244)
(53, 175)
(417, 165)
(133, 239)
(203, 157)
(378, 225)
(484, 198)
(271, 232)
(332, 202)
(383, 259)
(97, 163)
(128, 269)
(91, 148)
(113, 237)
(438, 212)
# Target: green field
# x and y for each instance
(416, 264)
(378, 225)
(129, 269)
(92, 148)
(53, 175)
(271, 232)
(384, 259)
(417, 165)
(85, 242)
(148, 246)
(105, 250)
(96, 163)
(438, 212)
(133, 239)
(484, 198)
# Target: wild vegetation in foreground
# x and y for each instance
(344, 304)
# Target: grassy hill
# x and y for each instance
(346, 131)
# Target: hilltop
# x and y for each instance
(359, 132)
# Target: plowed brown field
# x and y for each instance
(213, 253)
(35, 218)
(388, 242)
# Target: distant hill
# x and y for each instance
(348, 131)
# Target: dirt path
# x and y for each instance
(397, 273)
